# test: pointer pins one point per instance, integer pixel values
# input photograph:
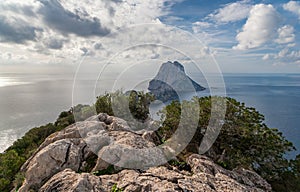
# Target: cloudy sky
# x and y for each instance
(239, 36)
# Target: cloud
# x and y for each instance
(16, 30)
(6, 56)
(285, 56)
(68, 29)
(205, 51)
(53, 43)
(87, 52)
(293, 6)
(261, 27)
(15, 7)
(232, 12)
(266, 57)
(285, 35)
(67, 22)
(17, 23)
(98, 46)
(200, 25)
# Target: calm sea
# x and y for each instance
(28, 100)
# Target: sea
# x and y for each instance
(30, 100)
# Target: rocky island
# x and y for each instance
(172, 80)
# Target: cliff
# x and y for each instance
(66, 161)
(172, 80)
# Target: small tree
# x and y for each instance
(130, 105)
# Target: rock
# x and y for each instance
(69, 181)
(71, 132)
(57, 163)
(172, 80)
(225, 180)
(109, 137)
(252, 178)
(55, 157)
(156, 179)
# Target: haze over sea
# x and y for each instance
(29, 100)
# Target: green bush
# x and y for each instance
(10, 163)
(103, 104)
(130, 106)
(18, 181)
(82, 112)
(244, 140)
(289, 180)
(16, 155)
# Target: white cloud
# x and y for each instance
(291, 45)
(285, 35)
(293, 6)
(204, 51)
(200, 25)
(7, 56)
(141, 11)
(260, 27)
(232, 12)
(284, 56)
(65, 29)
(266, 57)
(172, 19)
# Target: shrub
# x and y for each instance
(15, 156)
(244, 140)
(130, 106)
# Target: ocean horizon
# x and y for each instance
(30, 100)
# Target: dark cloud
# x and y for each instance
(98, 46)
(54, 43)
(117, 1)
(60, 19)
(87, 52)
(16, 30)
(84, 50)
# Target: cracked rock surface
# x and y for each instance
(59, 163)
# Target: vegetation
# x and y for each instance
(244, 140)
(16, 155)
(181, 165)
(115, 188)
(289, 179)
(131, 106)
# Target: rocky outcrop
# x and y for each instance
(63, 163)
(163, 178)
(170, 81)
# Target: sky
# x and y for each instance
(260, 36)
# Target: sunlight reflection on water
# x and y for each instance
(6, 81)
